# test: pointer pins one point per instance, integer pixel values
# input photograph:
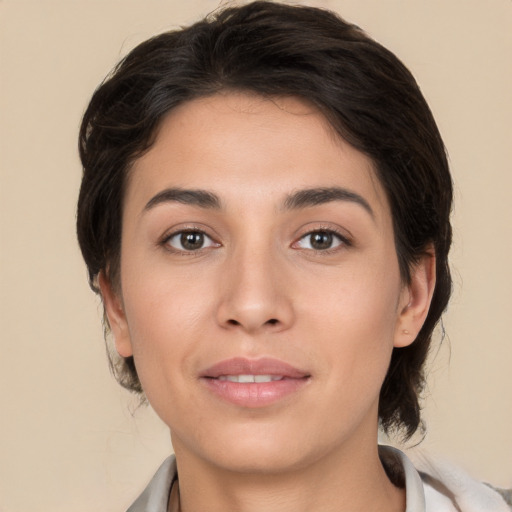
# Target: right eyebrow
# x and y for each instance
(195, 197)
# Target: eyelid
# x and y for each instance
(176, 231)
(342, 235)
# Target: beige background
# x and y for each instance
(69, 437)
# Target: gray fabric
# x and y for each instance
(155, 497)
(506, 494)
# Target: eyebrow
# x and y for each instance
(301, 199)
(318, 196)
(201, 198)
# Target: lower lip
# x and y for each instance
(254, 394)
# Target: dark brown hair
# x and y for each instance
(364, 91)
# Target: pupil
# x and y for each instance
(321, 240)
(191, 241)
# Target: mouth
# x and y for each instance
(250, 378)
(254, 383)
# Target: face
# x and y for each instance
(260, 291)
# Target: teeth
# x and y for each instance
(245, 378)
(263, 378)
(250, 378)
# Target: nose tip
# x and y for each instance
(254, 298)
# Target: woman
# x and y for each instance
(265, 213)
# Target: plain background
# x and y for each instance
(70, 438)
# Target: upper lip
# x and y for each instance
(263, 366)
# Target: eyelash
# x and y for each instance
(165, 242)
(342, 240)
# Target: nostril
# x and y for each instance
(235, 323)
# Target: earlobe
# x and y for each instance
(116, 316)
(416, 298)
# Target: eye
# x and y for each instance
(320, 240)
(190, 240)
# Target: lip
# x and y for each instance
(254, 394)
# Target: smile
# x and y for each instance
(247, 379)
(254, 383)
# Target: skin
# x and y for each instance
(257, 288)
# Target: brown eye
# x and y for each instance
(192, 241)
(320, 240)
(188, 241)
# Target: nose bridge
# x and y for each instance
(253, 296)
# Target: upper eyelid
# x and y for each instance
(323, 230)
(187, 228)
(344, 234)
(181, 231)
(343, 239)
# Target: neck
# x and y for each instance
(346, 480)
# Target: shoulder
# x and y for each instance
(447, 486)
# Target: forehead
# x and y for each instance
(234, 143)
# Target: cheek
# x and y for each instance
(355, 324)
(166, 314)
(361, 298)
(158, 294)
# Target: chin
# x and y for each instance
(261, 448)
(261, 458)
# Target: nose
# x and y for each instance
(254, 293)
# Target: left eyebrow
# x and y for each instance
(317, 196)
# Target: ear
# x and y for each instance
(114, 310)
(415, 299)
